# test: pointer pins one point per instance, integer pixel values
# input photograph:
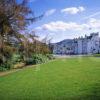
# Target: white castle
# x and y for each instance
(87, 45)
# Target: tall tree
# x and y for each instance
(14, 17)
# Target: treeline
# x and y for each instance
(16, 47)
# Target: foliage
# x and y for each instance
(16, 58)
(14, 18)
(37, 59)
(50, 56)
(2, 68)
(29, 61)
(6, 66)
(14, 46)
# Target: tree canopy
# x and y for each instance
(14, 17)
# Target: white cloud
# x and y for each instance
(73, 10)
(61, 26)
(70, 26)
(94, 23)
(50, 12)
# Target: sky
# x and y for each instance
(65, 19)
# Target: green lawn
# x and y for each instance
(62, 79)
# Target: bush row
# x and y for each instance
(34, 59)
(38, 59)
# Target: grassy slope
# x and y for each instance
(63, 79)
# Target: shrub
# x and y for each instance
(37, 59)
(50, 56)
(6, 66)
(16, 58)
(2, 69)
(29, 61)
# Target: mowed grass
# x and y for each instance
(61, 79)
